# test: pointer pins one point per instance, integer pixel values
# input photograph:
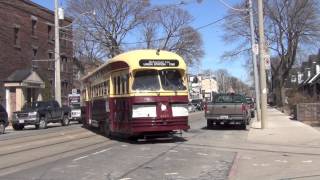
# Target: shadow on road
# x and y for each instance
(224, 127)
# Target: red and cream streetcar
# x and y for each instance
(138, 93)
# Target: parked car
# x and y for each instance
(191, 107)
(251, 106)
(3, 119)
(40, 113)
(228, 109)
(198, 104)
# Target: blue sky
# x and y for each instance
(205, 12)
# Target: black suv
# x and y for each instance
(40, 113)
(3, 119)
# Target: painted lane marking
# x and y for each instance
(173, 173)
(202, 154)
(307, 161)
(125, 179)
(282, 161)
(173, 151)
(98, 152)
(82, 157)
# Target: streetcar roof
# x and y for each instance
(132, 59)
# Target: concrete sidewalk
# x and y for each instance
(283, 131)
(286, 149)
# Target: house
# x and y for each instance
(27, 47)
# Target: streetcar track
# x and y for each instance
(155, 158)
(54, 155)
(36, 133)
(52, 135)
(47, 145)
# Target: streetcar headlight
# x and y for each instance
(139, 111)
(180, 110)
(163, 107)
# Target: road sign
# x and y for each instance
(255, 49)
(267, 61)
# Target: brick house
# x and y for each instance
(27, 34)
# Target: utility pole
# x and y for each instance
(254, 59)
(57, 79)
(263, 82)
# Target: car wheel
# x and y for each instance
(43, 123)
(65, 121)
(2, 128)
(18, 127)
(243, 126)
(252, 114)
(37, 126)
(209, 124)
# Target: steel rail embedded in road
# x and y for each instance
(46, 145)
(25, 139)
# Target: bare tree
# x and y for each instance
(226, 82)
(111, 22)
(87, 47)
(168, 28)
(288, 26)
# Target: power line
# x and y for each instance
(230, 7)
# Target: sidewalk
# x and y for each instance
(283, 131)
(285, 149)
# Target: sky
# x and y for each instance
(203, 13)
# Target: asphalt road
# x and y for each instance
(63, 153)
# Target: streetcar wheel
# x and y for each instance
(2, 128)
(106, 129)
(43, 123)
(65, 121)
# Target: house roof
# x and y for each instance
(19, 75)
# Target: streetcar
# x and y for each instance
(136, 94)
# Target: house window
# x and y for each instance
(33, 26)
(50, 55)
(293, 79)
(34, 52)
(50, 36)
(16, 36)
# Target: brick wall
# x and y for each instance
(19, 14)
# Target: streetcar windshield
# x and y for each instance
(146, 80)
(171, 80)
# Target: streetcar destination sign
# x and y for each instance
(158, 63)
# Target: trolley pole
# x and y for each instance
(57, 78)
(254, 60)
(263, 82)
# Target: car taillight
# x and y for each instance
(243, 108)
(205, 107)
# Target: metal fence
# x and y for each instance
(309, 113)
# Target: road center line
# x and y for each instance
(82, 157)
(98, 152)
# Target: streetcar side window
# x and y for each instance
(118, 85)
(127, 84)
(108, 86)
(114, 83)
(123, 84)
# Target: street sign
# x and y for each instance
(267, 61)
(255, 49)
